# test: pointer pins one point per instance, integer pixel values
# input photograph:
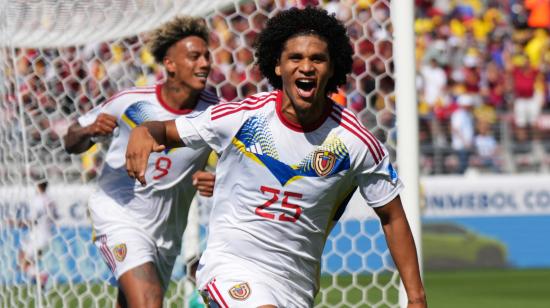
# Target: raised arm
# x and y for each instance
(403, 250)
(154, 136)
(79, 139)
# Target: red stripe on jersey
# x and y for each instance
(247, 101)
(335, 118)
(245, 106)
(145, 90)
(351, 119)
(232, 105)
(216, 295)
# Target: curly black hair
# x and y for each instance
(173, 31)
(293, 22)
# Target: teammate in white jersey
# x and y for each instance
(138, 229)
(289, 161)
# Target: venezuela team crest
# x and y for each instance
(120, 252)
(240, 291)
(323, 162)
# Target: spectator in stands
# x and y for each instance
(493, 85)
(539, 15)
(486, 148)
(434, 81)
(462, 131)
(527, 101)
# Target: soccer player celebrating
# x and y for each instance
(290, 160)
(139, 228)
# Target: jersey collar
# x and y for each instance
(166, 106)
(296, 126)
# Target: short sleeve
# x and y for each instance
(90, 116)
(378, 182)
(217, 133)
(113, 107)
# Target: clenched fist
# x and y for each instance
(103, 125)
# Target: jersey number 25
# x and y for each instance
(296, 209)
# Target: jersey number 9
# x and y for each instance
(162, 165)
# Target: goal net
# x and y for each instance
(59, 59)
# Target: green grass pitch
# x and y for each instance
(506, 288)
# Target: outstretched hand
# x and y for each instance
(204, 183)
(140, 146)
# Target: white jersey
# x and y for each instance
(280, 188)
(42, 212)
(160, 208)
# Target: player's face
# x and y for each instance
(189, 62)
(305, 68)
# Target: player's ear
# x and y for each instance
(169, 65)
(278, 68)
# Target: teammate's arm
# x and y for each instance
(79, 139)
(403, 250)
(154, 136)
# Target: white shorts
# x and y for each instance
(125, 243)
(35, 241)
(235, 285)
(527, 110)
(227, 292)
(128, 247)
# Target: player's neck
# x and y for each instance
(178, 97)
(304, 117)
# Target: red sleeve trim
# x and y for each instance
(348, 121)
(144, 90)
(251, 103)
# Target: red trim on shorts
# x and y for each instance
(218, 299)
(106, 252)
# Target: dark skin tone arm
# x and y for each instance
(154, 136)
(204, 183)
(403, 250)
(79, 139)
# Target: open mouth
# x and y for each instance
(306, 87)
(203, 75)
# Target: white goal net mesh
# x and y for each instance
(59, 59)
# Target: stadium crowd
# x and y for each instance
(477, 62)
(483, 85)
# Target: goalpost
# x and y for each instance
(59, 59)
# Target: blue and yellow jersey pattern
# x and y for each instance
(255, 141)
